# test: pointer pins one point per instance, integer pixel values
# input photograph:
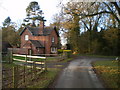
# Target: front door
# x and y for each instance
(29, 51)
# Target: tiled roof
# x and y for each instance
(37, 43)
(35, 31)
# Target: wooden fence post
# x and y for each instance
(15, 77)
(33, 70)
(24, 77)
(26, 58)
(45, 66)
(11, 56)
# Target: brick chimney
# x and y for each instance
(41, 25)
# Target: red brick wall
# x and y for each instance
(49, 42)
(23, 41)
(35, 51)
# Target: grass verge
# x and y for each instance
(108, 72)
(45, 78)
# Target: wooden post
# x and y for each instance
(45, 65)
(31, 72)
(24, 77)
(26, 58)
(11, 56)
(34, 70)
(15, 77)
(41, 66)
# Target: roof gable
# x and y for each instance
(56, 31)
(35, 31)
(37, 43)
(22, 31)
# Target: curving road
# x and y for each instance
(79, 74)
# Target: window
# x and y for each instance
(53, 39)
(26, 37)
(38, 49)
(53, 50)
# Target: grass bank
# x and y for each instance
(108, 72)
(45, 79)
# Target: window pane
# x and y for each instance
(53, 39)
(26, 37)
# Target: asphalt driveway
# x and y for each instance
(79, 74)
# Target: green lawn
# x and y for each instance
(108, 72)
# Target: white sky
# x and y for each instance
(16, 9)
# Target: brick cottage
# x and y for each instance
(39, 40)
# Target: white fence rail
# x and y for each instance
(36, 62)
(29, 56)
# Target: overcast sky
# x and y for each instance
(16, 9)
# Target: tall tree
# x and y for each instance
(7, 22)
(96, 20)
(34, 13)
(9, 33)
(112, 8)
(72, 25)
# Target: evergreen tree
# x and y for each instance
(34, 14)
(7, 22)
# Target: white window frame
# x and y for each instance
(53, 49)
(53, 39)
(26, 37)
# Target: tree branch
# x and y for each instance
(116, 6)
(85, 25)
(90, 15)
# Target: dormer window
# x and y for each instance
(53, 39)
(26, 37)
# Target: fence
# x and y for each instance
(18, 50)
(43, 61)
(7, 57)
(20, 76)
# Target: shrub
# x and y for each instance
(60, 51)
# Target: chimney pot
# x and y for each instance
(42, 25)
